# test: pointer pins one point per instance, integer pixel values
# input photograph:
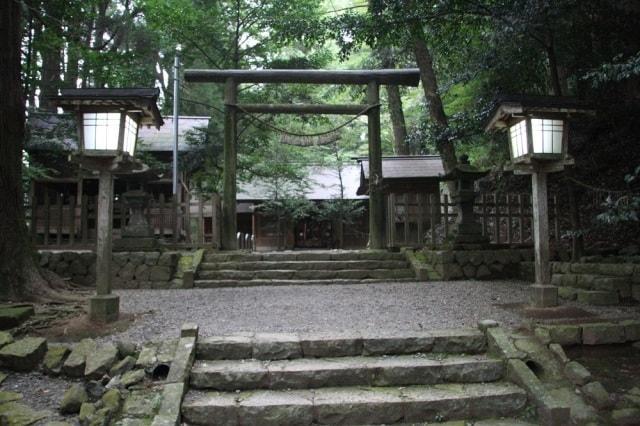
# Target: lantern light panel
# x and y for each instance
(101, 131)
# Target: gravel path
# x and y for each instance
(360, 307)
(39, 391)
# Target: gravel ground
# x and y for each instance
(381, 307)
(39, 391)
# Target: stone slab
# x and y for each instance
(23, 355)
(13, 315)
(268, 346)
(269, 408)
(225, 347)
(330, 345)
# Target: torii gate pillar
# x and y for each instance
(229, 225)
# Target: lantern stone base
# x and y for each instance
(544, 296)
(104, 308)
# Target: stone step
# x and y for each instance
(354, 405)
(278, 346)
(267, 265)
(292, 274)
(258, 283)
(315, 255)
(313, 373)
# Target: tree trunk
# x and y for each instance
(13, 245)
(394, 100)
(430, 85)
(51, 59)
(20, 277)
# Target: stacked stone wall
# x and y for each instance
(153, 269)
(476, 264)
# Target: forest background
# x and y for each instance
(468, 53)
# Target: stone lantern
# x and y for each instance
(538, 145)
(467, 231)
(108, 121)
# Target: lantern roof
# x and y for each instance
(464, 171)
(141, 99)
(509, 105)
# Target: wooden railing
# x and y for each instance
(69, 222)
(427, 219)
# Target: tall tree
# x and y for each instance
(14, 247)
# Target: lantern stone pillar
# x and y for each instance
(104, 307)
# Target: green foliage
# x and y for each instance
(343, 211)
(622, 209)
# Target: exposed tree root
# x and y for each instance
(44, 286)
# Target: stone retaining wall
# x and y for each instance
(593, 283)
(475, 264)
(603, 333)
(153, 269)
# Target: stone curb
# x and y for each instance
(550, 412)
(175, 386)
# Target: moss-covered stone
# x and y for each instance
(5, 339)
(99, 363)
(54, 359)
(122, 366)
(74, 365)
(132, 377)
(13, 315)
(142, 404)
(73, 399)
(17, 414)
(87, 410)
(25, 354)
(111, 399)
(6, 396)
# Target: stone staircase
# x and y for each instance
(302, 267)
(340, 379)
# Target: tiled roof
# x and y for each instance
(324, 184)
(161, 139)
(403, 167)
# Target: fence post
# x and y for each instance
(407, 219)
(483, 200)
(72, 220)
(446, 216)
(162, 218)
(420, 202)
(200, 220)
(432, 205)
(509, 219)
(34, 219)
(47, 212)
(496, 218)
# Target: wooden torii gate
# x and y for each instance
(372, 78)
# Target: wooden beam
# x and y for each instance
(104, 227)
(404, 77)
(300, 109)
(376, 195)
(229, 225)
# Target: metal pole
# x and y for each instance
(176, 101)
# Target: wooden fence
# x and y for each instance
(419, 219)
(65, 222)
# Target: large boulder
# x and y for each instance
(23, 355)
